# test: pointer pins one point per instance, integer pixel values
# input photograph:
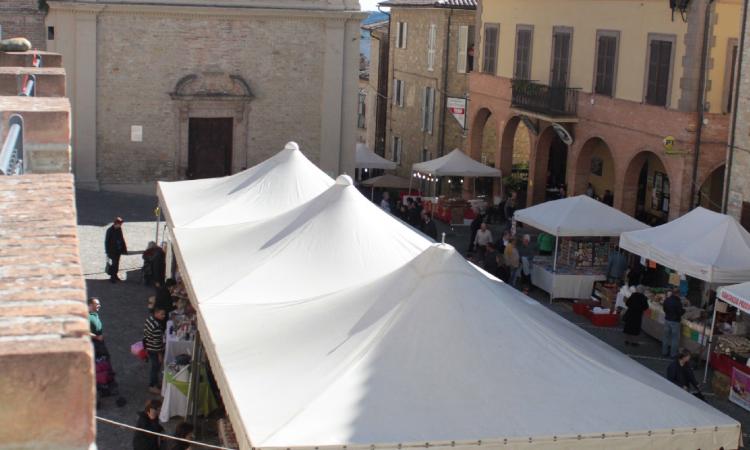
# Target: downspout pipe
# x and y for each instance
(701, 103)
(446, 62)
(735, 107)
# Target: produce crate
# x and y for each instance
(581, 309)
(604, 320)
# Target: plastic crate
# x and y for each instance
(580, 308)
(604, 320)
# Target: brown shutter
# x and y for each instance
(489, 64)
(560, 59)
(523, 55)
(658, 72)
(605, 65)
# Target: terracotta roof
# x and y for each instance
(458, 4)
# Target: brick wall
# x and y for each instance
(22, 18)
(47, 377)
(739, 182)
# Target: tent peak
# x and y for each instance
(344, 180)
(291, 145)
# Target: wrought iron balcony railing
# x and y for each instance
(552, 101)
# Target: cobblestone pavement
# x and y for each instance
(124, 307)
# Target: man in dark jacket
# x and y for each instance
(429, 228)
(673, 312)
(114, 246)
(148, 419)
(680, 372)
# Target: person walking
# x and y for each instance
(526, 253)
(96, 328)
(114, 247)
(673, 312)
(491, 257)
(512, 261)
(153, 342)
(154, 264)
(148, 419)
(483, 237)
(429, 228)
(637, 304)
(385, 202)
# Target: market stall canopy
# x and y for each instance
(456, 164)
(578, 216)
(274, 186)
(387, 181)
(703, 244)
(435, 354)
(737, 295)
(336, 240)
(367, 159)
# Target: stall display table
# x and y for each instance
(565, 283)
(175, 390)
(725, 364)
(690, 338)
(173, 347)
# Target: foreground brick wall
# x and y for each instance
(47, 376)
(22, 18)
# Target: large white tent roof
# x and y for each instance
(276, 185)
(367, 159)
(456, 163)
(334, 241)
(578, 216)
(703, 244)
(435, 352)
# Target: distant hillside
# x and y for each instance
(364, 43)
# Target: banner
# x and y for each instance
(457, 107)
(740, 389)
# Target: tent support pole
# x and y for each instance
(554, 269)
(710, 341)
(411, 178)
(372, 194)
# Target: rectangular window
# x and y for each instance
(396, 149)
(431, 47)
(659, 71)
(428, 109)
(401, 34)
(731, 67)
(425, 155)
(606, 62)
(561, 40)
(50, 33)
(398, 92)
(463, 49)
(524, 36)
(361, 103)
(489, 56)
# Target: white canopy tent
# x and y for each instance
(706, 245)
(336, 240)
(367, 159)
(737, 295)
(455, 163)
(436, 354)
(578, 216)
(385, 181)
(276, 185)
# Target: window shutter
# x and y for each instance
(401, 93)
(425, 94)
(396, 86)
(397, 37)
(404, 34)
(431, 47)
(658, 72)
(463, 48)
(523, 54)
(489, 63)
(430, 109)
(605, 65)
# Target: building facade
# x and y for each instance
(23, 18)
(609, 95)
(737, 194)
(430, 57)
(170, 90)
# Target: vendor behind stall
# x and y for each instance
(673, 312)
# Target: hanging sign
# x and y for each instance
(457, 107)
(563, 134)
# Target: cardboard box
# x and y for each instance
(720, 384)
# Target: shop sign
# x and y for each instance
(739, 392)
(733, 300)
(457, 107)
(670, 146)
(563, 134)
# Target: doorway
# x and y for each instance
(557, 168)
(209, 147)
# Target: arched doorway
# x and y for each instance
(710, 194)
(484, 146)
(595, 171)
(647, 189)
(515, 151)
(550, 167)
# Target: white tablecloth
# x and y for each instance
(562, 285)
(175, 402)
(172, 348)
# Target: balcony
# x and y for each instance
(548, 101)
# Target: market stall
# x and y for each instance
(584, 231)
(455, 164)
(386, 181)
(702, 244)
(366, 159)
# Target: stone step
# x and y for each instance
(25, 59)
(50, 81)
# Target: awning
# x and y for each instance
(387, 181)
(367, 159)
(737, 295)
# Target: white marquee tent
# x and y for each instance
(435, 352)
(367, 159)
(737, 295)
(455, 163)
(336, 240)
(703, 244)
(578, 216)
(265, 190)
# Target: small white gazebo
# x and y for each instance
(454, 164)
(367, 159)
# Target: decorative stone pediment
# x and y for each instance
(212, 85)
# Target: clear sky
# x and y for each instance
(369, 5)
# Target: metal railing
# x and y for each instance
(549, 100)
(28, 86)
(11, 155)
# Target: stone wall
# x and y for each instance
(22, 18)
(47, 377)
